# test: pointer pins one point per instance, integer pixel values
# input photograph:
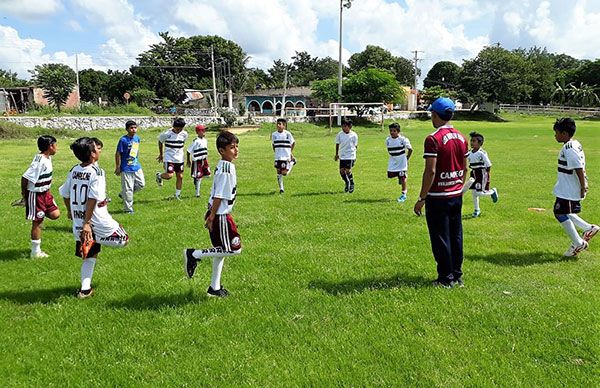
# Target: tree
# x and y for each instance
(445, 74)
(325, 91)
(57, 81)
(93, 85)
(433, 92)
(326, 68)
(120, 82)
(277, 73)
(375, 57)
(303, 69)
(8, 79)
(143, 97)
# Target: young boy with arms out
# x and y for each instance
(346, 142)
(128, 166)
(480, 166)
(35, 192)
(571, 187)
(199, 158)
(400, 150)
(84, 194)
(283, 147)
(221, 227)
(173, 158)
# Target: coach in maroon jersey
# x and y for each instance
(445, 170)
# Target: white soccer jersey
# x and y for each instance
(83, 183)
(478, 159)
(198, 149)
(224, 186)
(348, 142)
(39, 174)
(397, 148)
(570, 157)
(174, 143)
(282, 144)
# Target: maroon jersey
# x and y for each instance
(450, 148)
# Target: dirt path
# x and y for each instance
(242, 129)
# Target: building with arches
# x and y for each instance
(270, 101)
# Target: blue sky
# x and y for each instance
(108, 34)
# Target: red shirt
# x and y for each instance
(450, 148)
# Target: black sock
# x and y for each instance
(351, 178)
(344, 177)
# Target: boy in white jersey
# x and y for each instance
(173, 158)
(35, 192)
(400, 150)
(480, 166)
(199, 158)
(346, 142)
(571, 187)
(84, 194)
(221, 227)
(283, 147)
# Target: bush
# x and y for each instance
(228, 116)
(143, 97)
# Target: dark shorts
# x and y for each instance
(282, 164)
(564, 206)
(347, 163)
(482, 179)
(224, 233)
(38, 205)
(200, 168)
(173, 167)
(397, 174)
(94, 250)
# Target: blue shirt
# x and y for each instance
(129, 148)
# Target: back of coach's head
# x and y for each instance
(443, 108)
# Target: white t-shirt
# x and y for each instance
(570, 157)
(174, 143)
(83, 183)
(397, 148)
(39, 174)
(348, 142)
(282, 144)
(478, 159)
(224, 186)
(198, 149)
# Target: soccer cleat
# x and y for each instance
(18, 202)
(281, 191)
(575, 249)
(402, 198)
(347, 187)
(440, 284)
(220, 293)
(159, 180)
(83, 294)
(39, 255)
(457, 283)
(494, 195)
(476, 213)
(189, 262)
(591, 232)
(129, 211)
(351, 188)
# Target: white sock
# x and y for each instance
(35, 246)
(177, 193)
(198, 183)
(569, 227)
(579, 222)
(290, 165)
(475, 201)
(87, 271)
(215, 277)
(213, 252)
(280, 180)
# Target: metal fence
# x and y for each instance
(540, 109)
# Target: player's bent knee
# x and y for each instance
(54, 215)
(561, 217)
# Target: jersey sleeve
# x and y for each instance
(337, 139)
(574, 160)
(65, 189)
(355, 140)
(223, 185)
(407, 143)
(162, 137)
(190, 149)
(430, 147)
(33, 172)
(121, 146)
(486, 160)
(292, 140)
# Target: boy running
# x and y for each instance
(346, 142)
(199, 158)
(480, 166)
(173, 159)
(400, 150)
(283, 146)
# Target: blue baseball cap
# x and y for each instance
(441, 105)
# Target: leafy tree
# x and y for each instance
(277, 73)
(120, 82)
(143, 97)
(376, 57)
(435, 91)
(303, 69)
(588, 73)
(373, 85)
(57, 81)
(255, 78)
(93, 85)
(325, 68)
(405, 71)
(8, 79)
(325, 91)
(445, 74)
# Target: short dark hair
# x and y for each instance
(179, 123)
(281, 120)
(446, 116)
(130, 123)
(83, 147)
(394, 126)
(98, 142)
(565, 124)
(45, 141)
(478, 136)
(226, 138)
(347, 122)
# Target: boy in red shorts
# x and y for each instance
(197, 158)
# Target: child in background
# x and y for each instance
(283, 146)
(400, 150)
(199, 158)
(480, 166)
(127, 165)
(346, 142)
(173, 159)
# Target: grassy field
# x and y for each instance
(331, 288)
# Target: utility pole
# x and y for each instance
(416, 62)
(347, 4)
(285, 80)
(212, 63)
(77, 78)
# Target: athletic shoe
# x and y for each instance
(457, 283)
(402, 198)
(280, 191)
(347, 187)
(85, 294)
(575, 249)
(494, 195)
(174, 197)
(476, 213)
(189, 262)
(591, 232)
(129, 211)
(39, 255)
(351, 188)
(109, 199)
(437, 283)
(159, 179)
(220, 293)
(18, 202)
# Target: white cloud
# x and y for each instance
(29, 10)
(74, 25)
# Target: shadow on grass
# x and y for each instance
(59, 228)
(369, 200)
(257, 194)
(315, 193)
(143, 302)
(14, 254)
(359, 285)
(46, 296)
(519, 259)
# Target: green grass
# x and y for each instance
(331, 288)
